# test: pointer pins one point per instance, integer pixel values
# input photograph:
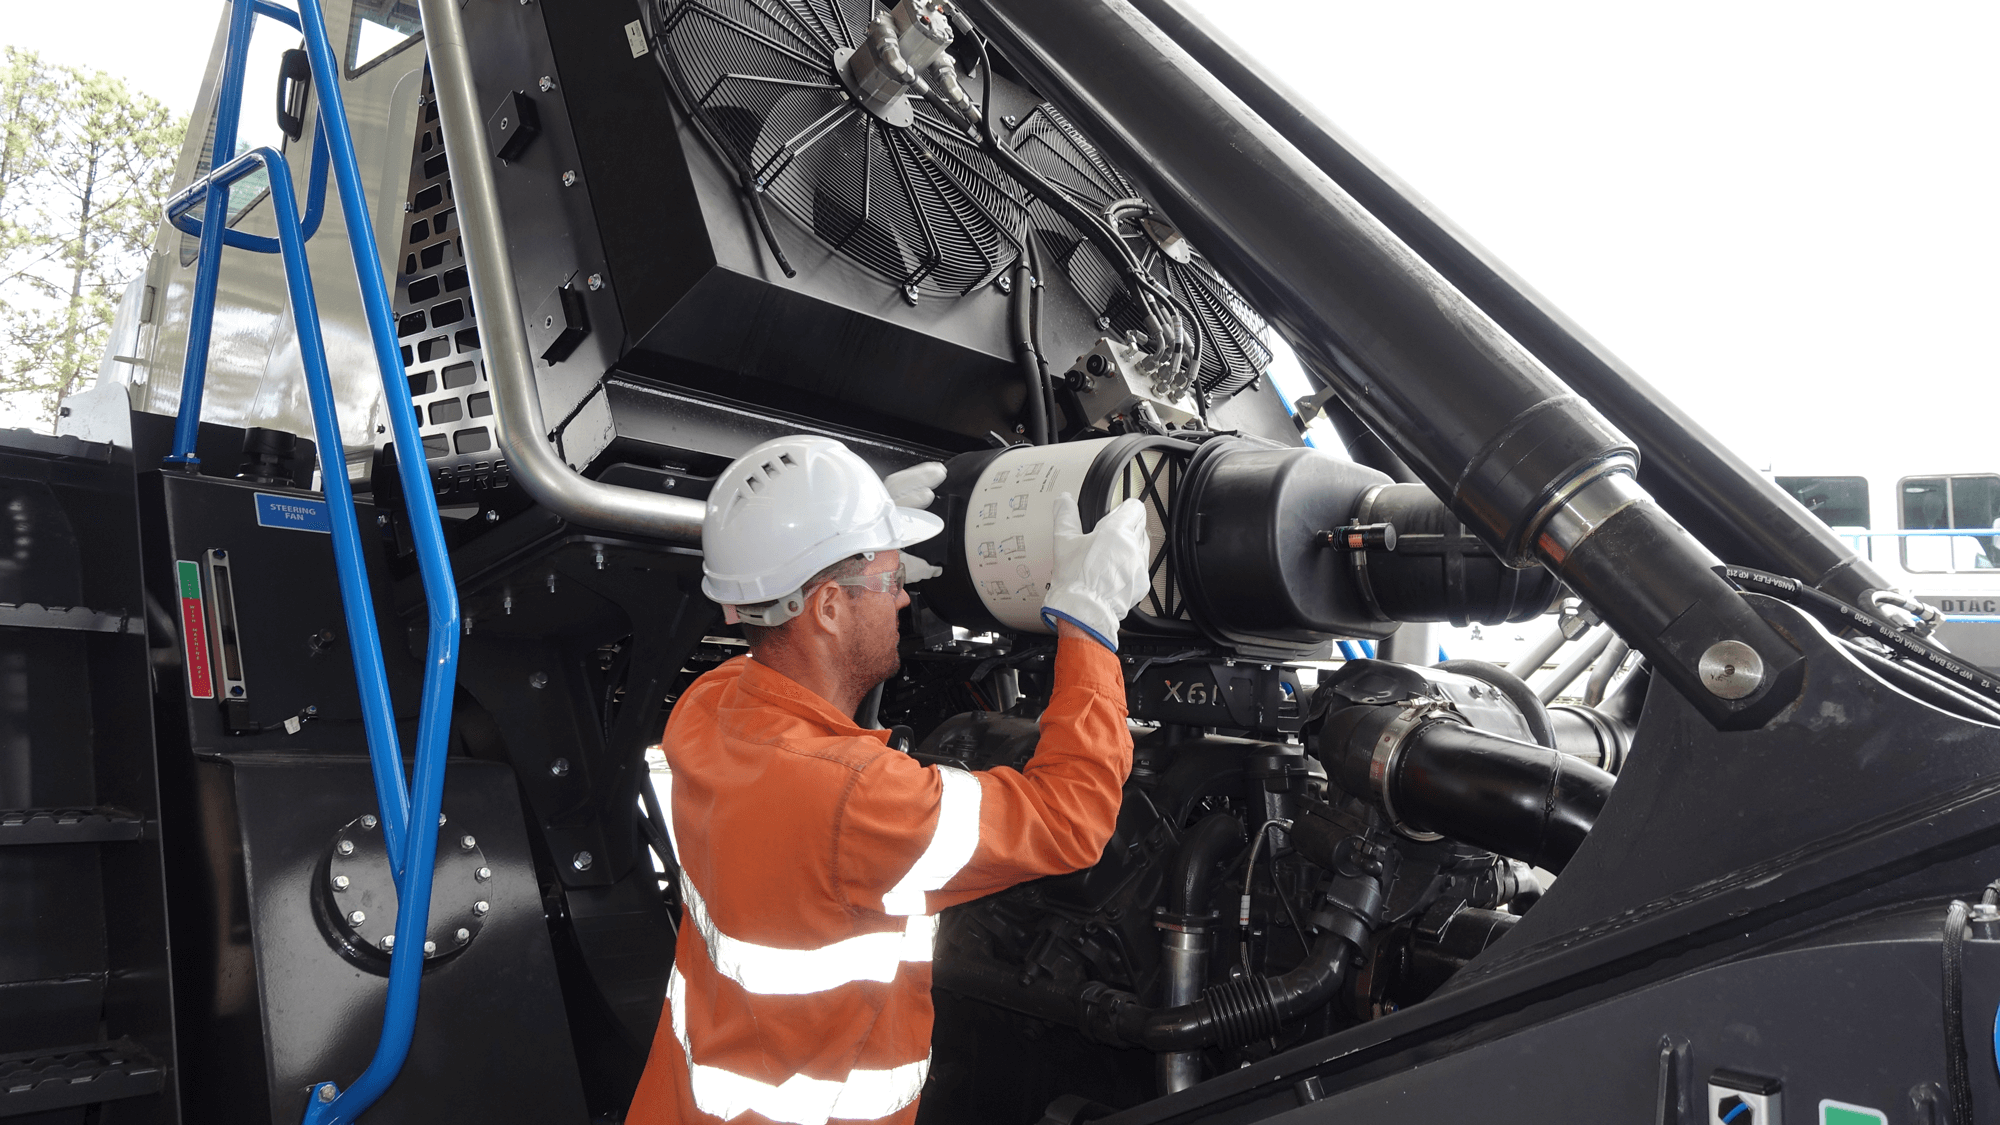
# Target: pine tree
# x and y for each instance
(86, 167)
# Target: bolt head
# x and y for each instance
(467, 842)
(236, 691)
(326, 1092)
(388, 942)
(464, 935)
(481, 907)
(1731, 669)
(483, 874)
(569, 179)
(582, 861)
(1010, 121)
(1004, 283)
(559, 767)
(1103, 322)
(440, 820)
(342, 882)
(356, 917)
(494, 517)
(910, 294)
(368, 820)
(538, 680)
(595, 281)
(430, 949)
(345, 847)
(547, 83)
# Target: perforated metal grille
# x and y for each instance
(435, 326)
(1154, 476)
(1233, 350)
(918, 206)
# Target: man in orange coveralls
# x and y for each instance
(814, 858)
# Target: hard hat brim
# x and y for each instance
(914, 525)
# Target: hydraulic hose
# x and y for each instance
(1020, 318)
(1525, 802)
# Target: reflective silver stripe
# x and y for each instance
(863, 1095)
(767, 970)
(953, 841)
(772, 971)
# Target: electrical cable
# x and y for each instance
(1249, 876)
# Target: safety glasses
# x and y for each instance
(887, 582)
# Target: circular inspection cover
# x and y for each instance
(357, 892)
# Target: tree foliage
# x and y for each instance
(85, 167)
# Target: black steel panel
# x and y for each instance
(491, 1043)
(294, 638)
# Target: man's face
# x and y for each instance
(870, 644)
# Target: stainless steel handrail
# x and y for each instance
(502, 334)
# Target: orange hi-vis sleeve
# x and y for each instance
(814, 859)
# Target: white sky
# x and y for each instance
(1781, 213)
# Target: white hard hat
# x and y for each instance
(789, 509)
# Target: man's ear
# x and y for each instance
(823, 608)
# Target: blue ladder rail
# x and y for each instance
(409, 812)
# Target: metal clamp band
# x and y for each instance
(1416, 714)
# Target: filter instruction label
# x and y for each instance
(1009, 526)
(293, 513)
(194, 630)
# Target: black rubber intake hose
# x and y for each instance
(1522, 801)
(1232, 1014)
(1217, 836)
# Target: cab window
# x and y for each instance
(1838, 501)
(1964, 503)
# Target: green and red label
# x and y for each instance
(194, 630)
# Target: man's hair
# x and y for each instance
(849, 567)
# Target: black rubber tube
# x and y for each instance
(1020, 319)
(1515, 689)
(1525, 802)
(1232, 1014)
(1217, 836)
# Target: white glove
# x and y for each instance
(1100, 576)
(911, 487)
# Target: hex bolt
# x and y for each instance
(569, 178)
(547, 83)
(356, 917)
(1103, 322)
(342, 882)
(1004, 283)
(582, 861)
(909, 294)
(430, 949)
(368, 820)
(483, 874)
(1985, 921)
(388, 943)
(326, 1092)
(440, 820)
(494, 517)
(1010, 121)
(559, 767)
(464, 935)
(345, 847)
(595, 281)
(481, 907)
(467, 842)
(538, 680)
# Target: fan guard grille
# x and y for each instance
(1233, 350)
(921, 207)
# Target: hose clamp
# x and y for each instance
(1414, 715)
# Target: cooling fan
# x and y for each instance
(1233, 352)
(914, 201)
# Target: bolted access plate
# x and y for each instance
(356, 899)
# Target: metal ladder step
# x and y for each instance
(68, 826)
(34, 1081)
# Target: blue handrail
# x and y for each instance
(409, 813)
